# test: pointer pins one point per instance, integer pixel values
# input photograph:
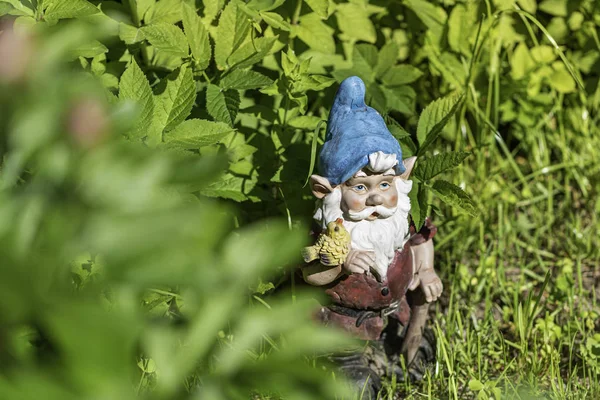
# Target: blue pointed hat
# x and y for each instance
(354, 130)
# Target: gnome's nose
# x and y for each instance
(374, 200)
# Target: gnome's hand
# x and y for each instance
(359, 262)
(431, 285)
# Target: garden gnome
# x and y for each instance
(383, 280)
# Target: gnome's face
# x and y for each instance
(369, 196)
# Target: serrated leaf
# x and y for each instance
(304, 122)
(174, 104)
(418, 204)
(401, 98)
(167, 38)
(401, 75)
(376, 98)
(354, 22)
(197, 36)
(245, 79)
(89, 50)
(312, 82)
(315, 33)
(230, 187)
(265, 5)
(435, 165)
(212, 8)
(434, 118)
(240, 152)
(167, 11)
(222, 104)
(454, 196)
(434, 17)
(386, 58)
(195, 133)
(364, 61)
(130, 34)
(134, 86)
(233, 29)
(320, 7)
(59, 9)
(275, 20)
(252, 52)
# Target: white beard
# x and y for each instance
(383, 236)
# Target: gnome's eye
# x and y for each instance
(360, 188)
(384, 186)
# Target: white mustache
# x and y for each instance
(384, 212)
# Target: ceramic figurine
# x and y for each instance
(375, 268)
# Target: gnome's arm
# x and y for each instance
(425, 276)
(317, 274)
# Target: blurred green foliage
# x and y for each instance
(142, 140)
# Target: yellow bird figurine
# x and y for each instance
(332, 246)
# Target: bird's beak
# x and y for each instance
(339, 221)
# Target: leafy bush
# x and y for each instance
(225, 100)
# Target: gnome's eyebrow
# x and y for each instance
(390, 172)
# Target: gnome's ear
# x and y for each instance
(409, 163)
(320, 186)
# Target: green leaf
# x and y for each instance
(475, 385)
(17, 6)
(364, 61)
(304, 122)
(434, 118)
(461, 24)
(275, 20)
(401, 98)
(432, 16)
(130, 34)
(528, 5)
(315, 33)
(59, 9)
(386, 58)
(558, 8)
(233, 29)
(354, 22)
(230, 187)
(320, 7)
(562, 81)
(543, 54)
(222, 104)
(521, 62)
(167, 11)
(197, 36)
(252, 52)
(175, 102)
(376, 98)
(212, 9)
(454, 196)
(401, 75)
(168, 38)
(265, 5)
(433, 166)
(418, 204)
(195, 133)
(134, 86)
(90, 50)
(245, 79)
